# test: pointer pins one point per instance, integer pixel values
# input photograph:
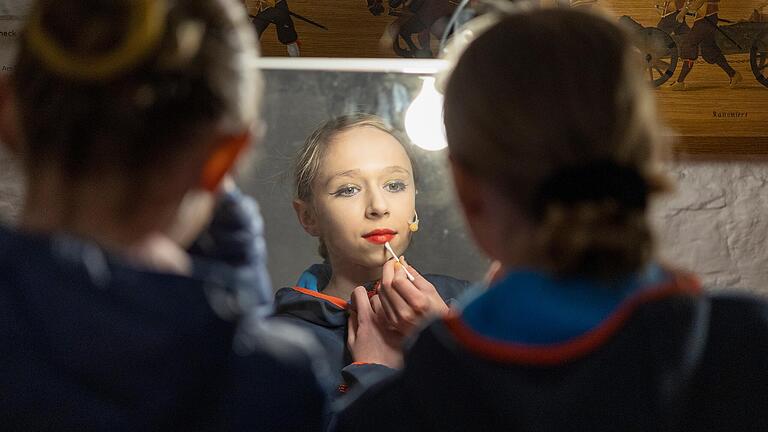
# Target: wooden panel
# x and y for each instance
(352, 30)
(709, 109)
(709, 117)
(714, 147)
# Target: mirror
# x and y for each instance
(300, 96)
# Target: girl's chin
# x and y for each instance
(374, 260)
(371, 255)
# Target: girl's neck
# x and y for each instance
(95, 213)
(346, 278)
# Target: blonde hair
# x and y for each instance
(522, 106)
(310, 156)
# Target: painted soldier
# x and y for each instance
(759, 14)
(266, 12)
(702, 35)
(668, 22)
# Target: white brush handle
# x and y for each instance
(394, 255)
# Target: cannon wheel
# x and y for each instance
(758, 57)
(659, 53)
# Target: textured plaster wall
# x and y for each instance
(715, 223)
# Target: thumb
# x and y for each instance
(352, 328)
(362, 305)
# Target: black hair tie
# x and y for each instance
(595, 181)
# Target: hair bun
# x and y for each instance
(595, 240)
(146, 23)
(594, 182)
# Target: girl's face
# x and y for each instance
(363, 196)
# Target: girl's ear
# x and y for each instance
(222, 159)
(307, 218)
(9, 119)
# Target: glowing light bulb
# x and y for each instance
(424, 118)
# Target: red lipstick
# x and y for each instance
(380, 236)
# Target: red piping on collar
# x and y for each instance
(554, 354)
(340, 303)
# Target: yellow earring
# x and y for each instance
(414, 226)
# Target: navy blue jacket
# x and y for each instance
(90, 343)
(326, 318)
(666, 358)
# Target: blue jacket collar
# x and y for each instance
(529, 307)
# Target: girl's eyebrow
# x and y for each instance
(397, 168)
(356, 172)
(347, 173)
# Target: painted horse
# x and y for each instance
(419, 19)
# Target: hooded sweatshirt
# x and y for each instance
(536, 353)
(92, 343)
(325, 317)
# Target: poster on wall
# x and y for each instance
(707, 63)
(344, 28)
(706, 60)
(10, 177)
(277, 13)
(418, 25)
(10, 26)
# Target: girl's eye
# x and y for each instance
(395, 186)
(346, 191)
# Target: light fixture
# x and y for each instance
(424, 118)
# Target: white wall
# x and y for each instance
(716, 223)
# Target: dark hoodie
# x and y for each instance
(326, 317)
(533, 354)
(90, 343)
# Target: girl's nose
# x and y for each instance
(377, 205)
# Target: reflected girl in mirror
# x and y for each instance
(355, 190)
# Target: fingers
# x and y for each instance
(493, 273)
(379, 315)
(389, 310)
(352, 329)
(397, 310)
(227, 184)
(410, 294)
(388, 273)
(362, 305)
(405, 303)
(418, 280)
(359, 302)
(420, 294)
(376, 305)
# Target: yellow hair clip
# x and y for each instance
(146, 24)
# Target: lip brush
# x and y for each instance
(394, 255)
